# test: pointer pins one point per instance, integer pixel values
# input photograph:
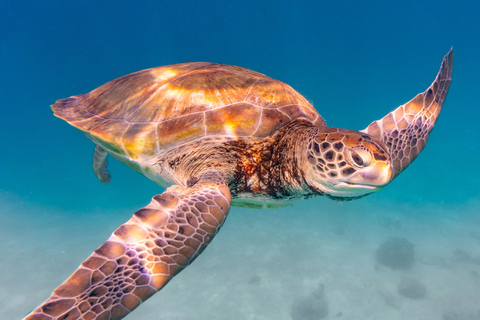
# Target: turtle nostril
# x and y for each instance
(369, 175)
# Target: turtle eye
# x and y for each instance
(359, 157)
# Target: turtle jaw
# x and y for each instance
(377, 175)
(346, 186)
(367, 180)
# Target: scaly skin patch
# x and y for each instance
(142, 255)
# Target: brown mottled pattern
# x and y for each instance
(142, 255)
(139, 114)
(405, 130)
(339, 153)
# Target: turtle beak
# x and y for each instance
(378, 174)
(375, 176)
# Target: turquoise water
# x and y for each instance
(355, 62)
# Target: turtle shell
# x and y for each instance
(138, 115)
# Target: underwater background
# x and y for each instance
(356, 61)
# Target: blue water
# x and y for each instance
(354, 61)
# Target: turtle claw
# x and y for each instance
(405, 130)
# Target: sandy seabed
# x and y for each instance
(262, 261)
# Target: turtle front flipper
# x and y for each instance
(405, 130)
(100, 164)
(142, 255)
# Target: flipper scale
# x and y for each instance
(142, 255)
(405, 130)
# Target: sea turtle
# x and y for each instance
(217, 135)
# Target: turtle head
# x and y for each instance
(347, 164)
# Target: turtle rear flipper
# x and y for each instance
(142, 255)
(100, 164)
(405, 130)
